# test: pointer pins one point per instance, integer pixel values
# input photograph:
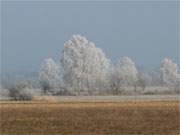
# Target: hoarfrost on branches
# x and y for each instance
(84, 68)
(84, 65)
(169, 72)
(123, 74)
(126, 69)
(49, 75)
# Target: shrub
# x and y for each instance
(20, 91)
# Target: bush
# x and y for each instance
(20, 91)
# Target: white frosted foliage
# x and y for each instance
(85, 66)
(127, 71)
(49, 74)
(169, 72)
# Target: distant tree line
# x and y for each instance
(84, 68)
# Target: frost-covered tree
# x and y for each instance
(144, 80)
(49, 75)
(125, 72)
(156, 78)
(21, 90)
(177, 85)
(84, 65)
(115, 80)
(169, 72)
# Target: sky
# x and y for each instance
(32, 31)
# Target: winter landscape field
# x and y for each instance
(90, 118)
(89, 67)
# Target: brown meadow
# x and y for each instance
(90, 118)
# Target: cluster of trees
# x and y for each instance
(84, 68)
(21, 90)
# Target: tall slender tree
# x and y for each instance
(49, 75)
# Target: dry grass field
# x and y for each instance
(90, 118)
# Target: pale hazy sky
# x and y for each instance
(33, 31)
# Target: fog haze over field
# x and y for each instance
(106, 67)
(33, 31)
